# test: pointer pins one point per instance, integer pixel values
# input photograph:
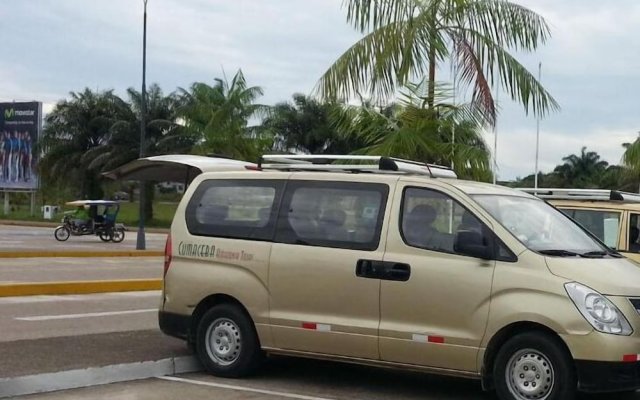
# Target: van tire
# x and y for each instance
(226, 342)
(534, 360)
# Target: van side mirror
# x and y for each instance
(473, 244)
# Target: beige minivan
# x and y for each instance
(613, 216)
(387, 262)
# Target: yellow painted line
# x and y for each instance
(80, 253)
(79, 287)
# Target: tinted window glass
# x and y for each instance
(242, 209)
(634, 234)
(333, 214)
(431, 220)
(538, 225)
(605, 225)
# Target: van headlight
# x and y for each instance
(602, 314)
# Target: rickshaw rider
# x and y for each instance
(81, 218)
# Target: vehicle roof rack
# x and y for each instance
(351, 163)
(583, 194)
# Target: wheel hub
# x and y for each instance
(530, 375)
(223, 341)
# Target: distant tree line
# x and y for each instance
(390, 73)
(587, 170)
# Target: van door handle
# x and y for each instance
(369, 269)
(387, 270)
(397, 272)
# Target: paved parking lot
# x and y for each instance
(13, 238)
(22, 270)
(34, 317)
(286, 378)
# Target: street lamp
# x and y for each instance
(141, 242)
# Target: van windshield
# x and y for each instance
(541, 227)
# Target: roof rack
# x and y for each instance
(350, 163)
(583, 194)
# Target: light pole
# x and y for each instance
(535, 179)
(141, 242)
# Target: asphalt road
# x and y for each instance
(21, 270)
(13, 238)
(35, 317)
(286, 378)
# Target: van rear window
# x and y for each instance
(242, 209)
(333, 214)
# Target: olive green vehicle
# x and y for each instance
(393, 263)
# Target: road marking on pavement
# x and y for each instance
(243, 388)
(87, 315)
(79, 297)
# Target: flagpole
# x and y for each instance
(538, 131)
(495, 143)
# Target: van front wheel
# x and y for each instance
(534, 366)
(226, 342)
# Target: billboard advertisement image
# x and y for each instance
(20, 126)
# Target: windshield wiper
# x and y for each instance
(558, 253)
(594, 254)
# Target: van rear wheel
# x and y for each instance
(226, 342)
(534, 366)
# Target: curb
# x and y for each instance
(78, 378)
(81, 253)
(79, 287)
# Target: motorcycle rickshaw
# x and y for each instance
(92, 217)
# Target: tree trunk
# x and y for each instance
(431, 95)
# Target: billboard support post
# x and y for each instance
(33, 204)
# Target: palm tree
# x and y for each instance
(218, 116)
(72, 129)
(405, 39)
(409, 130)
(163, 135)
(631, 160)
(582, 171)
(306, 126)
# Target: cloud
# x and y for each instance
(516, 149)
(52, 48)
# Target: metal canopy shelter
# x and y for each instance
(181, 168)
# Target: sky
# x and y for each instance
(591, 65)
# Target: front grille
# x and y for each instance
(636, 304)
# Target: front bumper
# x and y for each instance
(602, 376)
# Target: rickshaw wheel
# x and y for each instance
(106, 235)
(118, 235)
(61, 233)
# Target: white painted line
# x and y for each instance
(78, 378)
(243, 388)
(87, 315)
(78, 297)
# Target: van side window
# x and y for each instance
(634, 234)
(333, 214)
(242, 209)
(604, 224)
(431, 220)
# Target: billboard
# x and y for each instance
(20, 126)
